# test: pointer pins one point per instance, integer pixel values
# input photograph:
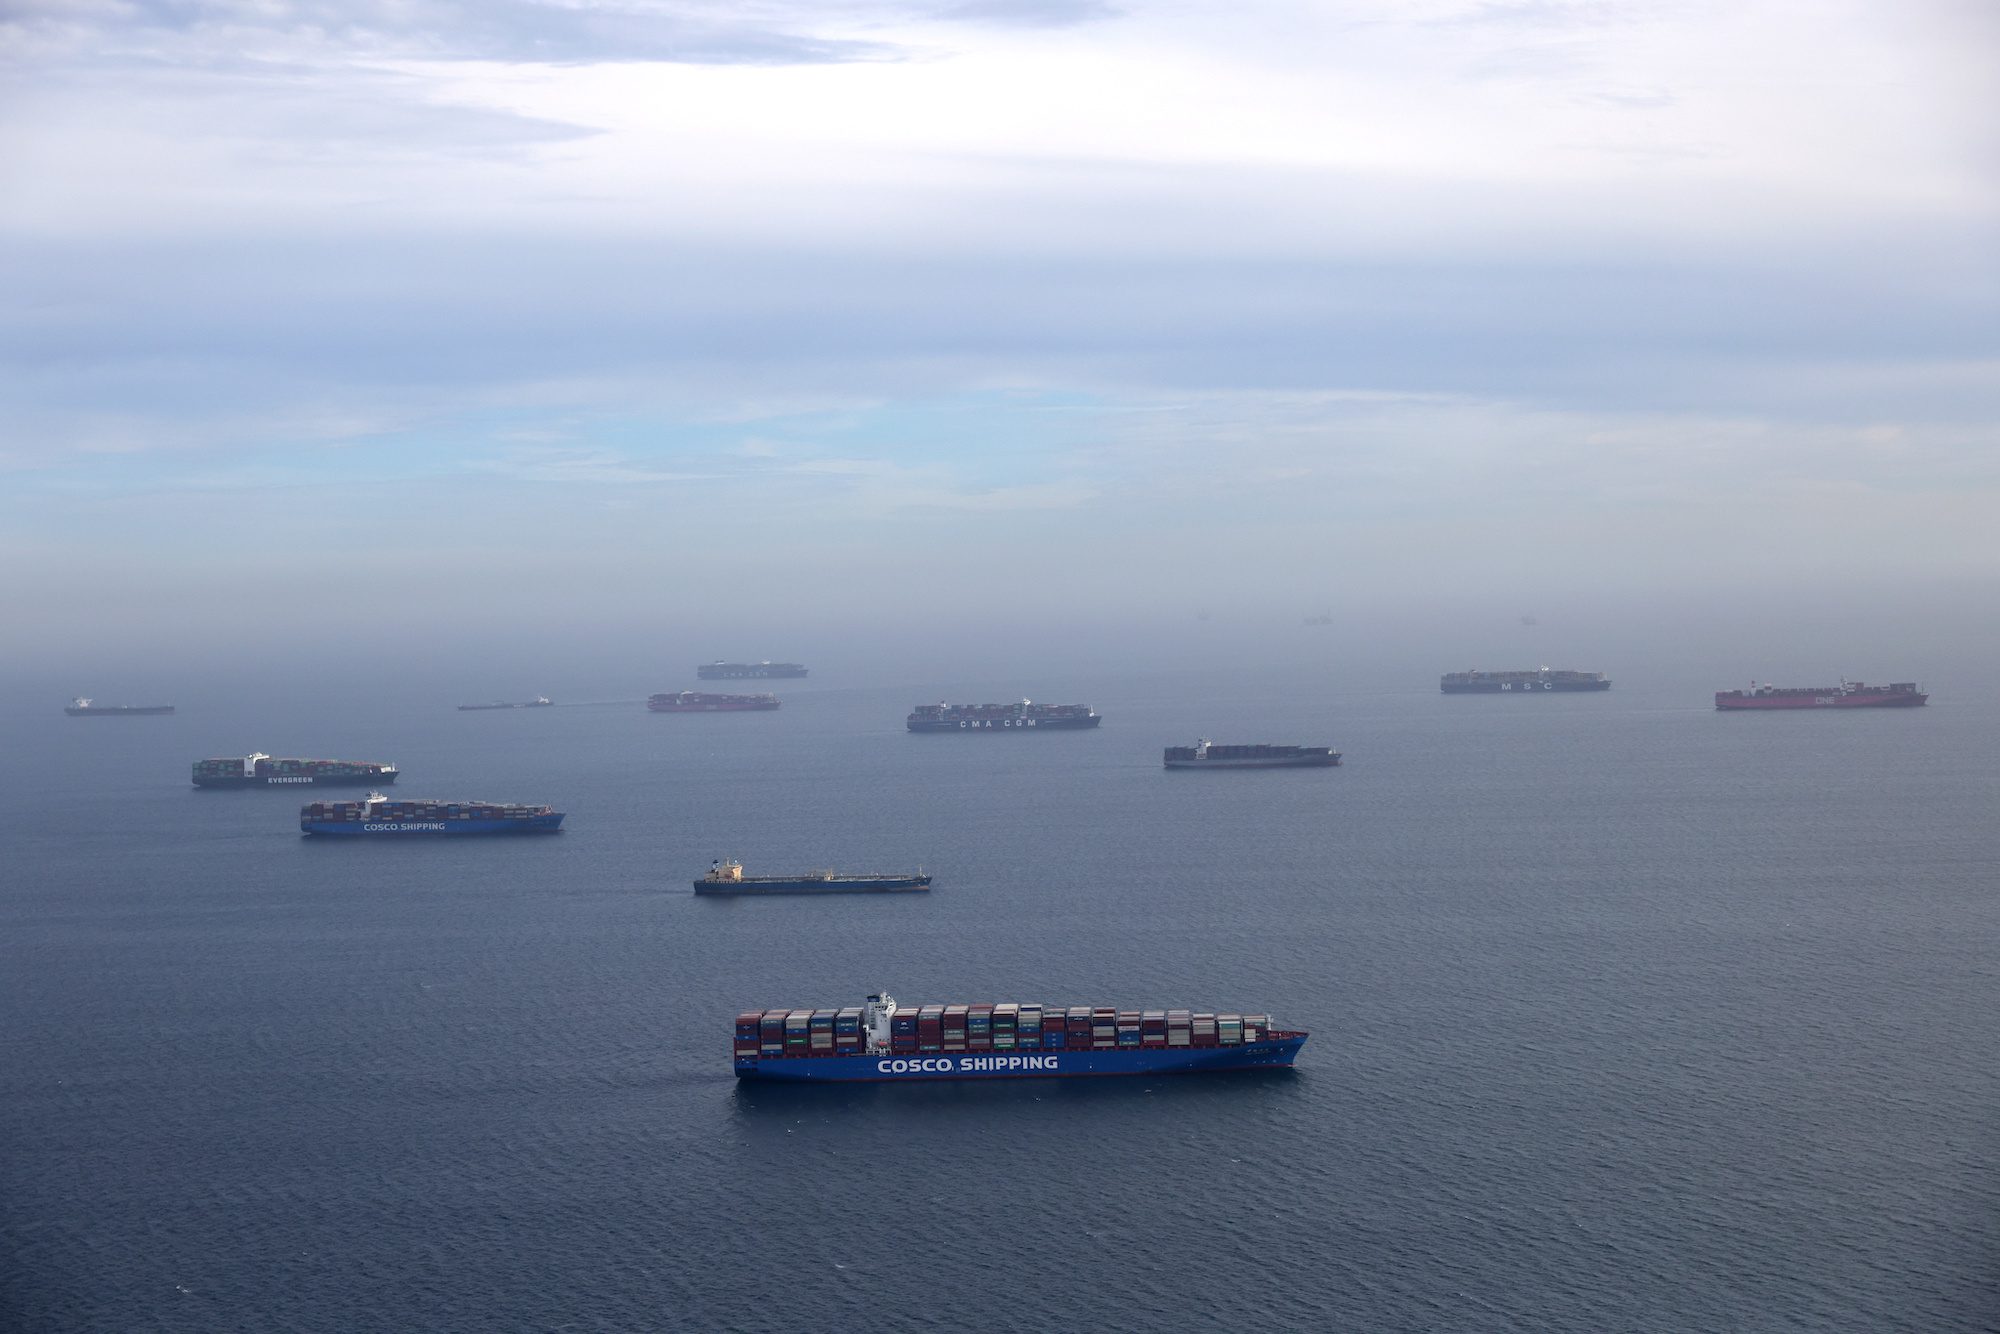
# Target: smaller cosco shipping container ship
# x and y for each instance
(538, 702)
(376, 814)
(260, 770)
(83, 708)
(1547, 679)
(736, 671)
(1846, 695)
(1025, 716)
(694, 701)
(882, 1040)
(1207, 755)
(727, 878)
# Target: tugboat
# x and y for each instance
(727, 878)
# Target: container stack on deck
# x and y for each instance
(990, 1027)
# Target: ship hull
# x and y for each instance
(121, 711)
(1834, 700)
(1270, 1054)
(537, 824)
(1003, 724)
(1298, 762)
(1521, 687)
(751, 887)
(297, 780)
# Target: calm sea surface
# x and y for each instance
(1626, 1015)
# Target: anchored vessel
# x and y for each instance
(733, 671)
(883, 1040)
(83, 708)
(1846, 695)
(260, 770)
(376, 814)
(538, 702)
(1000, 717)
(1507, 683)
(1207, 755)
(728, 878)
(694, 701)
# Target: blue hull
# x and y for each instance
(538, 824)
(1273, 1054)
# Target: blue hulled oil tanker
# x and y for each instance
(884, 1041)
(376, 814)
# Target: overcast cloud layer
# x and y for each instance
(542, 291)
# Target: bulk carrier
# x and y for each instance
(1508, 683)
(694, 701)
(376, 814)
(1205, 754)
(1846, 695)
(260, 770)
(882, 1040)
(737, 671)
(83, 708)
(727, 879)
(1027, 715)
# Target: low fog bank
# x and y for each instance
(433, 649)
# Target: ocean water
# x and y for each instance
(1625, 1015)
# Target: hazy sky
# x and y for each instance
(813, 312)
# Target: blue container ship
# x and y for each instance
(882, 1040)
(377, 815)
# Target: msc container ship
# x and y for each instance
(1205, 754)
(1846, 695)
(1000, 717)
(83, 708)
(376, 814)
(884, 1041)
(260, 770)
(694, 701)
(727, 878)
(1507, 683)
(736, 671)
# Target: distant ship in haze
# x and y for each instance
(84, 708)
(1524, 683)
(1846, 695)
(734, 671)
(538, 702)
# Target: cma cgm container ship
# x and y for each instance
(1511, 683)
(736, 671)
(882, 1040)
(1205, 754)
(694, 701)
(376, 814)
(260, 770)
(1027, 715)
(1846, 695)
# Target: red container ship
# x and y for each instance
(694, 701)
(1846, 695)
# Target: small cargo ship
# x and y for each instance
(1846, 695)
(694, 701)
(882, 1040)
(376, 814)
(739, 671)
(538, 702)
(1027, 715)
(1543, 680)
(260, 770)
(727, 878)
(84, 708)
(1205, 754)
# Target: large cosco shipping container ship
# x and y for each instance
(260, 770)
(376, 814)
(737, 671)
(1027, 715)
(882, 1040)
(694, 701)
(1846, 695)
(1510, 683)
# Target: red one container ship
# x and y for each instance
(1846, 695)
